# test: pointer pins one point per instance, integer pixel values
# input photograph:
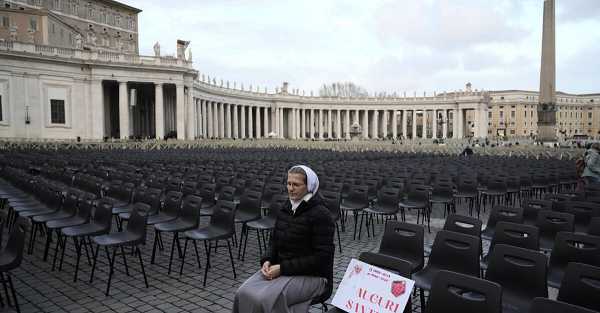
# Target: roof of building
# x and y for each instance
(121, 4)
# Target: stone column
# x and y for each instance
(281, 125)
(312, 124)
(461, 126)
(445, 124)
(180, 119)
(321, 122)
(222, 120)
(424, 128)
(227, 120)
(435, 124)
(484, 126)
(394, 125)
(414, 126)
(385, 123)
(124, 111)
(455, 123)
(338, 124)
(215, 116)
(266, 129)
(347, 126)
(159, 111)
(366, 124)
(276, 121)
(257, 122)
(303, 124)
(242, 121)
(191, 121)
(375, 134)
(236, 133)
(250, 122)
(404, 124)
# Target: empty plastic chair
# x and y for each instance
(581, 286)
(457, 292)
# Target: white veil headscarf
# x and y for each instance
(312, 184)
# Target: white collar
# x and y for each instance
(296, 204)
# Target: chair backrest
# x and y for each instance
(583, 211)
(16, 243)
(227, 193)
(3, 223)
(388, 198)
(137, 225)
(189, 188)
(581, 286)
(545, 305)
(70, 203)
(224, 216)
(520, 271)
(403, 240)
(443, 189)
(575, 247)
(417, 193)
(190, 212)
(103, 214)
(174, 184)
(399, 266)
(332, 200)
(250, 203)
(456, 252)
(551, 222)
(85, 209)
(518, 235)
(463, 224)
(457, 292)
(594, 226)
(207, 192)
(173, 202)
(505, 214)
(359, 193)
(152, 198)
(531, 207)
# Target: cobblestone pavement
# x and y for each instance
(42, 290)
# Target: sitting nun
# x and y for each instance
(298, 267)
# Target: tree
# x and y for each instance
(342, 89)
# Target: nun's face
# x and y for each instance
(296, 186)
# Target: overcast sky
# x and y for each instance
(382, 45)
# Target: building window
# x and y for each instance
(4, 21)
(590, 115)
(57, 111)
(525, 114)
(33, 23)
(489, 114)
(1, 116)
(512, 114)
(501, 114)
(512, 132)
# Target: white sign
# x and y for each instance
(369, 289)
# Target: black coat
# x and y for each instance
(302, 243)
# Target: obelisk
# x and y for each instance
(547, 100)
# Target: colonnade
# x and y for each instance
(241, 121)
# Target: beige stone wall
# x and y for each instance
(105, 25)
(29, 25)
(576, 114)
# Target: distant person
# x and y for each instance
(298, 267)
(467, 152)
(591, 172)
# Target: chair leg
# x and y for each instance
(337, 228)
(231, 258)
(208, 263)
(175, 240)
(139, 253)
(58, 241)
(154, 246)
(48, 241)
(245, 244)
(259, 242)
(422, 296)
(4, 281)
(241, 242)
(78, 247)
(197, 254)
(183, 256)
(95, 261)
(14, 293)
(124, 260)
(112, 267)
